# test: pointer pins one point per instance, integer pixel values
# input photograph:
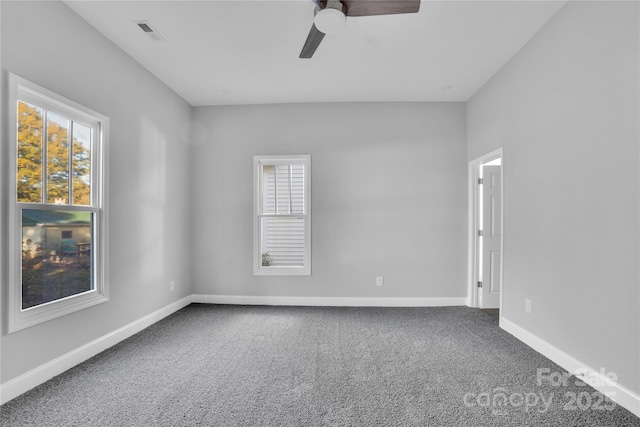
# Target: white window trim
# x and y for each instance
(18, 318)
(258, 162)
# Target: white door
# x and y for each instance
(491, 237)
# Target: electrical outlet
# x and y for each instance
(527, 305)
(172, 285)
(379, 281)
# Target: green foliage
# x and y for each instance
(266, 259)
(30, 158)
(57, 163)
(29, 153)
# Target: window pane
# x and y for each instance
(282, 241)
(29, 168)
(268, 189)
(54, 266)
(57, 159)
(297, 189)
(283, 189)
(81, 168)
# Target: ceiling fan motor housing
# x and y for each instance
(331, 19)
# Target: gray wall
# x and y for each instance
(388, 197)
(47, 43)
(565, 109)
(389, 185)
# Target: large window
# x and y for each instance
(282, 228)
(57, 209)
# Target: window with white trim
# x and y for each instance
(282, 217)
(57, 211)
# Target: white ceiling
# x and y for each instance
(246, 52)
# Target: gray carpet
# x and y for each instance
(216, 365)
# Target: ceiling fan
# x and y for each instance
(330, 16)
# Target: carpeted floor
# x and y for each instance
(216, 365)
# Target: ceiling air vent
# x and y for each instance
(150, 31)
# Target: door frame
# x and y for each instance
(473, 298)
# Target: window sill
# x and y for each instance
(22, 319)
(282, 271)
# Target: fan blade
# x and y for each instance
(380, 7)
(313, 41)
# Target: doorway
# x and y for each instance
(486, 227)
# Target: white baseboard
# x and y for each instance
(25, 382)
(616, 392)
(329, 301)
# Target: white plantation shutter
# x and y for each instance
(282, 233)
(297, 189)
(283, 196)
(284, 240)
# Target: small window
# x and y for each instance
(282, 220)
(58, 210)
